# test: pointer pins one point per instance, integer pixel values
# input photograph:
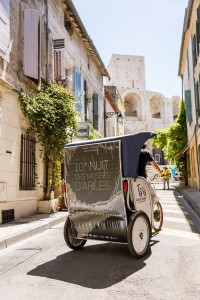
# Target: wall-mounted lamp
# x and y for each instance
(109, 114)
(120, 117)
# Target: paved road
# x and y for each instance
(43, 267)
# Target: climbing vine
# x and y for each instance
(173, 140)
(52, 118)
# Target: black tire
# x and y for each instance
(70, 236)
(157, 217)
(139, 233)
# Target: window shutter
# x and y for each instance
(197, 98)
(5, 29)
(77, 89)
(198, 23)
(95, 111)
(194, 52)
(31, 39)
(188, 106)
(86, 99)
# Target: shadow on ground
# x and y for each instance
(97, 266)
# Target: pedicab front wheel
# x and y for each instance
(70, 236)
(139, 233)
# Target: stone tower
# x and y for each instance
(144, 110)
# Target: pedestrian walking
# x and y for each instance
(166, 174)
(173, 173)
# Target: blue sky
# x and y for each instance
(151, 28)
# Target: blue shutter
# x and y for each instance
(188, 106)
(77, 89)
(95, 112)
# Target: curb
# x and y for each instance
(33, 230)
(194, 204)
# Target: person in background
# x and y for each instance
(173, 173)
(165, 174)
(145, 158)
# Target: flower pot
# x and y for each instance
(47, 206)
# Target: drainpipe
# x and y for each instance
(197, 151)
(47, 40)
(104, 115)
(46, 189)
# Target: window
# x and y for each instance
(197, 98)
(31, 59)
(198, 28)
(27, 163)
(157, 158)
(188, 166)
(95, 112)
(86, 100)
(88, 59)
(194, 50)
(188, 107)
(59, 61)
(188, 66)
(77, 89)
(5, 29)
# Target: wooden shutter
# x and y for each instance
(188, 106)
(95, 112)
(31, 39)
(86, 99)
(77, 89)
(198, 23)
(197, 98)
(194, 52)
(5, 29)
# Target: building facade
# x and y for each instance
(189, 71)
(40, 41)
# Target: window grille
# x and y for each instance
(27, 163)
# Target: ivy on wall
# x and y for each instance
(52, 118)
(173, 140)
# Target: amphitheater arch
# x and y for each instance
(132, 104)
(175, 102)
(156, 105)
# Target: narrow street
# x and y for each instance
(43, 266)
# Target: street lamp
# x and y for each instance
(109, 114)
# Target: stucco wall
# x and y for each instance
(13, 81)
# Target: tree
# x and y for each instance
(173, 140)
(52, 118)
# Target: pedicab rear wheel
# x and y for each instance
(139, 233)
(157, 217)
(70, 236)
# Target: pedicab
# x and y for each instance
(106, 198)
